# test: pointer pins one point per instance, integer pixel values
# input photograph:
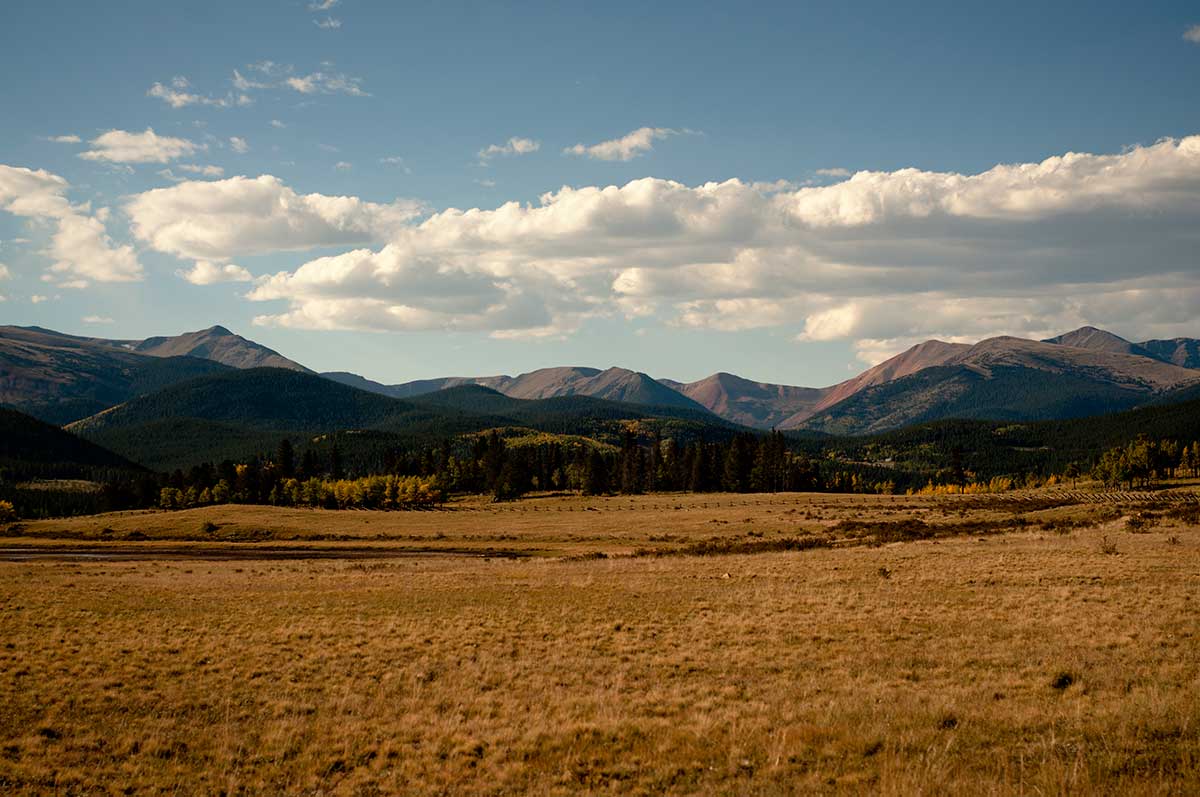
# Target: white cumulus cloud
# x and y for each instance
(205, 272)
(514, 146)
(203, 171)
(122, 146)
(625, 148)
(221, 219)
(79, 244)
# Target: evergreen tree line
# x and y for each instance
(641, 464)
(745, 463)
(488, 463)
(1143, 461)
(285, 480)
(64, 501)
(42, 492)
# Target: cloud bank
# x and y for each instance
(881, 259)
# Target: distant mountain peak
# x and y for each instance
(735, 398)
(613, 384)
(219, 344)
(917, 358)
(61, 378)
(1089, 337)
(726, 378)
(1084, 334)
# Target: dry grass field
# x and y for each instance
(835, 645)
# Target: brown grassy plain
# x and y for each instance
(1007, 654)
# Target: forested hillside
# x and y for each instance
(61, 378)
(46, 471)
(238, 413)
(995, 448)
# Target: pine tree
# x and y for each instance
(739, 461)
(697, 468)
(506, 487)
(595, 479)
(493, 457)
(308, 464)
(335, 463)
(285, 459)
(630, 464)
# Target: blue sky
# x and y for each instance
(885, 124)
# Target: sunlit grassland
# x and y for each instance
(1022, 662)
(562, 525)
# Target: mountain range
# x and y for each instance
(236, 412)
(61, 378)
(64, 378)
(612, 384)
(1006, 379)
(1079, 373)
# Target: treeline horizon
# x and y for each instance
(508, 462)
(487, 464)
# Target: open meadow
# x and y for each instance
(711, 644)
